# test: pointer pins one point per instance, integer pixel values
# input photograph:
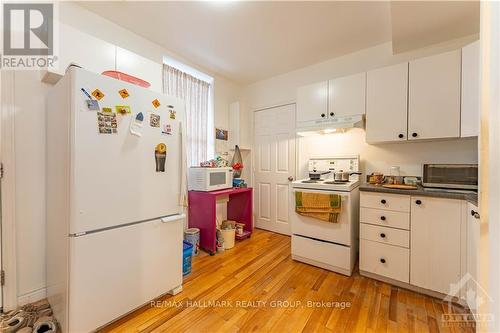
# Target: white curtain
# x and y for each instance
(196, 94)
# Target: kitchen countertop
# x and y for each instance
(420, 191)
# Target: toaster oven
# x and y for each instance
(452, 176)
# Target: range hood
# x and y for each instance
(330, 125)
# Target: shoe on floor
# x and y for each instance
(45, 325)
(14, 323)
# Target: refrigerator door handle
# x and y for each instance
(172, 218)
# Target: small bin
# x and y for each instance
(187, 255)
(192, 235)
(228, 235)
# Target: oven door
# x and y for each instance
(340, 232)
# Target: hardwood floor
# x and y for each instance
(257, 287)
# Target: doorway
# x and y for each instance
(275, 167)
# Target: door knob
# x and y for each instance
(290, 178)
(475, 214)
(401, 136)
(323, 115)
(414, 135)
(418, 202)
(332, 114)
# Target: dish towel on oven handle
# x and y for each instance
(324, 207)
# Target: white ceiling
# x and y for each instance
(251, 41)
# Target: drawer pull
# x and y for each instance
(383, 201)
(382, 235)
(382, 260)
(418, 202)
(382, 218)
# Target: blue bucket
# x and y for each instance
(187, 255)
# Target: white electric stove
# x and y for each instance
(332, 246)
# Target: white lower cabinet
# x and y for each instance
(420, 241)
(474, 291)
(385, 260)
(436, 226)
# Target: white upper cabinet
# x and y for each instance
(436, 243)
(470, 90)
(434, 97)
(346, 95)
(312, 102)
(143, 68)
(387, 104)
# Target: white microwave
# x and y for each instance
(209, 179)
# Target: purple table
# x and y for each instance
(202, 212)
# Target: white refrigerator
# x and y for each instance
(115, 186)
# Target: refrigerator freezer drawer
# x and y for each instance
(113, 272)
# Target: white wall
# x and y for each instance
(30, 141)
(410, 156)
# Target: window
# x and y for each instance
(196, 89)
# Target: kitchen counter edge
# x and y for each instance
(469, 197)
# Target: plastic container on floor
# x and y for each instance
(187, 255)
(192, 235)
(228, 235)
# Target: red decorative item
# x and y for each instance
(237, 166)
(127, 78)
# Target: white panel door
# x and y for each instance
(143, 68)
(434, 97)
(435, 255)
(274, 167)
(387, 104)
(312, 102)
(114, 177)
(115, 271)
(470, 90)
(346, 96)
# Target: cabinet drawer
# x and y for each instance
(386, 260)
(385, 235)
(385, 218)
(396, 202)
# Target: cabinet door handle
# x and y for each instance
(475, 214)
(418, 202)
(323, 115)
(382, 260)
(382, 218)
(382, 235)
(383, 202)
(401, 136)
(414, 134)
(332, 114)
